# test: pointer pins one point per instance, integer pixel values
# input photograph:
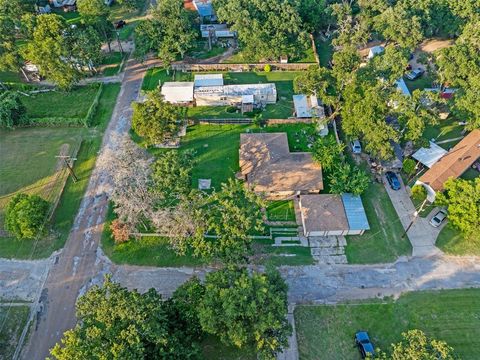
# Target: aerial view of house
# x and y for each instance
(239, 179)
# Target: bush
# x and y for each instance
(231, 109)
(409, 166)
(25, 215)
(419, 192)
(120, 231)
(267, 68)
(12, 111)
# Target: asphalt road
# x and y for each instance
(77, 263)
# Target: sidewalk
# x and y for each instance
(291, 353)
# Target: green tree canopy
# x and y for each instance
(168, 32)
(462, 199)
(25, 215)
(155, 119)
(246, 310)
(267, 29)
(327, 152)
(346, 178)
(12, 111)
(49, 49)
(115, 323)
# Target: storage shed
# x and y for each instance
(375, 50)
(429, 156)
(233, 94)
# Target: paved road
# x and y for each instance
(422, 235)
(77, 262)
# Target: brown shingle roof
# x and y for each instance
(268, 164)
(323, 212)
(455, 162)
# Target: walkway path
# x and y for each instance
(422, 235)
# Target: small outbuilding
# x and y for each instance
(330, 215)
(429, 156)
(180, 93)
(375, 50)
(216, 30)
(402, 87)
(208, 80)
(265, 93)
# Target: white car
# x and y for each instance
(356, 147)
(438, 218)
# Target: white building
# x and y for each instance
(180, 93)
(402, 86)
(375, 50)
(208, 80)
(217, 30)
(234, 94)
(308, 107)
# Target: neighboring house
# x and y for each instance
(234, 94)
(216, 30)
(329, 214)
(269, 167)
(64, 3)
(308, 107)
(452, 164)
(180, 93)
(375, 50)
(205, 9)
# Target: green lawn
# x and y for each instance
(73, 104)
(281, 210)
(264, 253)
(9, 77)
(383, 242)
(325, 51)
(113, 62)
(446, 129)
(420, 83)
(73, 192)
(155, 76)
(200, 51)
(213, 349)
(452, 241)
(326, 332)
(12, 321)
(241, 58)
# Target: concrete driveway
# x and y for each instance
(422, 235)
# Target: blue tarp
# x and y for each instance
(357, 219)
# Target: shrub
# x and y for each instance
(419, 192)
(25, 215)
(267, 68)
(12, 111)
(120, 231)
(231, 109)
(409, 166)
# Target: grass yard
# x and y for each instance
(383, 242)
(10, 77)
(326, 332)
(281, 210)
(241, 58)
(419, 84)
(73, 104)
(155, 76)
(452, 241)
(12, 321)
(446, 129)
(200, 51)
(325, 51)
(73, 192)
(264, 254)
(112, 63)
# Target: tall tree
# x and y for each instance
(95, 13)
(267, 29)
(327, 152)
(346, 178)
(462, 199)
(12, 111)
(155, 119)
(246, 310)
(49, 49)
(168, 32)
(115, 323)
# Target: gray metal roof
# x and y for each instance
(356, 216)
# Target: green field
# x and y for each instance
(419, 84)
(325, 51)
(213, 349)
(73, 104)
(264, 254)
(12, 321)
(445, 129)
(383, 242)
(326, 332)
(30, 164)
(112, 63)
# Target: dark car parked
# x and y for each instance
(365, 346)
(393, 180)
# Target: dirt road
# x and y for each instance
(78, 261)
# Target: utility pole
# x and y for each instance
(415, 216)
(66, 160)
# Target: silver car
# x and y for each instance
(439, 218)
(356, 147)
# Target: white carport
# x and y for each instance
(178, 92)
(429, 156)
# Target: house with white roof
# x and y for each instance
(177, 92)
